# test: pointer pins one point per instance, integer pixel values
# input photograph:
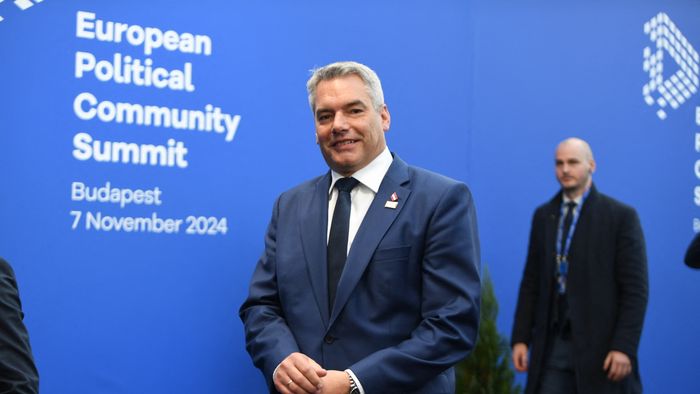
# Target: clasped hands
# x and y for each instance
(299, 374)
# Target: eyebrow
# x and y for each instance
(354, 103)
(348, 105)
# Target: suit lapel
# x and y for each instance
(583, 227)
(551, 227)
(313, 229)
(374, 225)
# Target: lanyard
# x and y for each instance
(562, 254)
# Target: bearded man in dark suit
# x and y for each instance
(584, 290)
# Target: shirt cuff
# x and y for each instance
(356, 380)
(274, 373)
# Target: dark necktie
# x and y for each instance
(338, 238)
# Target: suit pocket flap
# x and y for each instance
(397, 253)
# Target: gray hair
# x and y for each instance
(342, 69)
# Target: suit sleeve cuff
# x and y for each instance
(356, 380)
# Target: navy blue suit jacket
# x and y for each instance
(407, 304)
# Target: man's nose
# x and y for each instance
(340, 123)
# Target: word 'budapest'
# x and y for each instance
(115, 195)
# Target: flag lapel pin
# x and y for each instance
(393, 201)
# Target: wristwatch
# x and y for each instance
(353, 386)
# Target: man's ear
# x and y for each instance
(386, 118)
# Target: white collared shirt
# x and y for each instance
(361, 197)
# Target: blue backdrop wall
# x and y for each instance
(138, 292)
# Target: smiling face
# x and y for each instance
(349, 129)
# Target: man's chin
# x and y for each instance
(345, 162)
(569, 185)
(342, 167)
(572, 190)
(345, 170)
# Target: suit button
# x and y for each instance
(328, 339)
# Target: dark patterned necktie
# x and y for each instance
(338, 238)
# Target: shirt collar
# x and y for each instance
(577, 200)
(370, 175)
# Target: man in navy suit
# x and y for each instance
(584, 290)
(403, 307)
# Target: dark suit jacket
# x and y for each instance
(407, 305)
(607, 290)
(18, 375)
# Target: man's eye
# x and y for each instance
(323, 118)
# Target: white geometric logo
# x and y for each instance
(683, 83)
(22, 5)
